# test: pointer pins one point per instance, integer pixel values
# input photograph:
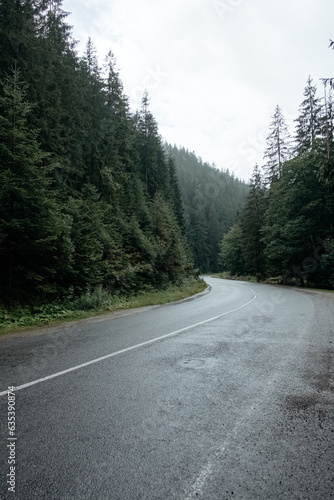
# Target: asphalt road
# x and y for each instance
(227, 396)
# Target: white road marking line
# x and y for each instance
(97, 360)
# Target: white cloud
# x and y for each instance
(214, 69)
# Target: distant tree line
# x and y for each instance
(212, 199)
(286, 226)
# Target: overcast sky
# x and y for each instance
(214, 69)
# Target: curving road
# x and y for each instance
(228, 395)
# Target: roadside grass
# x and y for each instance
(268, 281)
(227, 276)
(93, 303)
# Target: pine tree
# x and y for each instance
(326, 168)
(251, 221)
(278, 148)
(94, 101)
(154, 171)
(308, 127)
(17, 34)
(116, 101)
(35, 229)
(329, 80)
(116, 148)
(214, 236)
(172, 258)
(49, 65)
(300, 211)
(175, 193)
(198, 236)
(231, 254)
(96, 240)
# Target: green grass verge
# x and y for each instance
(93, 304)
(227, 276)
(268, 281)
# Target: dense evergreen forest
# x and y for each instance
(212, 199)
(285, 229)
(90, 196)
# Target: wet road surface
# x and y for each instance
(229, 395)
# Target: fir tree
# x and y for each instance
(172, 257)
(154, 171)
(308, 127)
(30, 218)
(252, 218)
(300, 211)
(94, 100)
(17, 35)
(278, 148)
(231, 252)
(175, 193)
(326, 168)
(198, 235)
(214, 236)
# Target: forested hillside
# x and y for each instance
(212, 199)
(286, 226)
(88, 197)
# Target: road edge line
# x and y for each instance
(127, 349)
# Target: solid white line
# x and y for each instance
(97, 360)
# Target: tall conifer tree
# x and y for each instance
(154, 171)
(278, 148)
(36, 235)
(308, 127)
(252, 218)
(326, 169)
